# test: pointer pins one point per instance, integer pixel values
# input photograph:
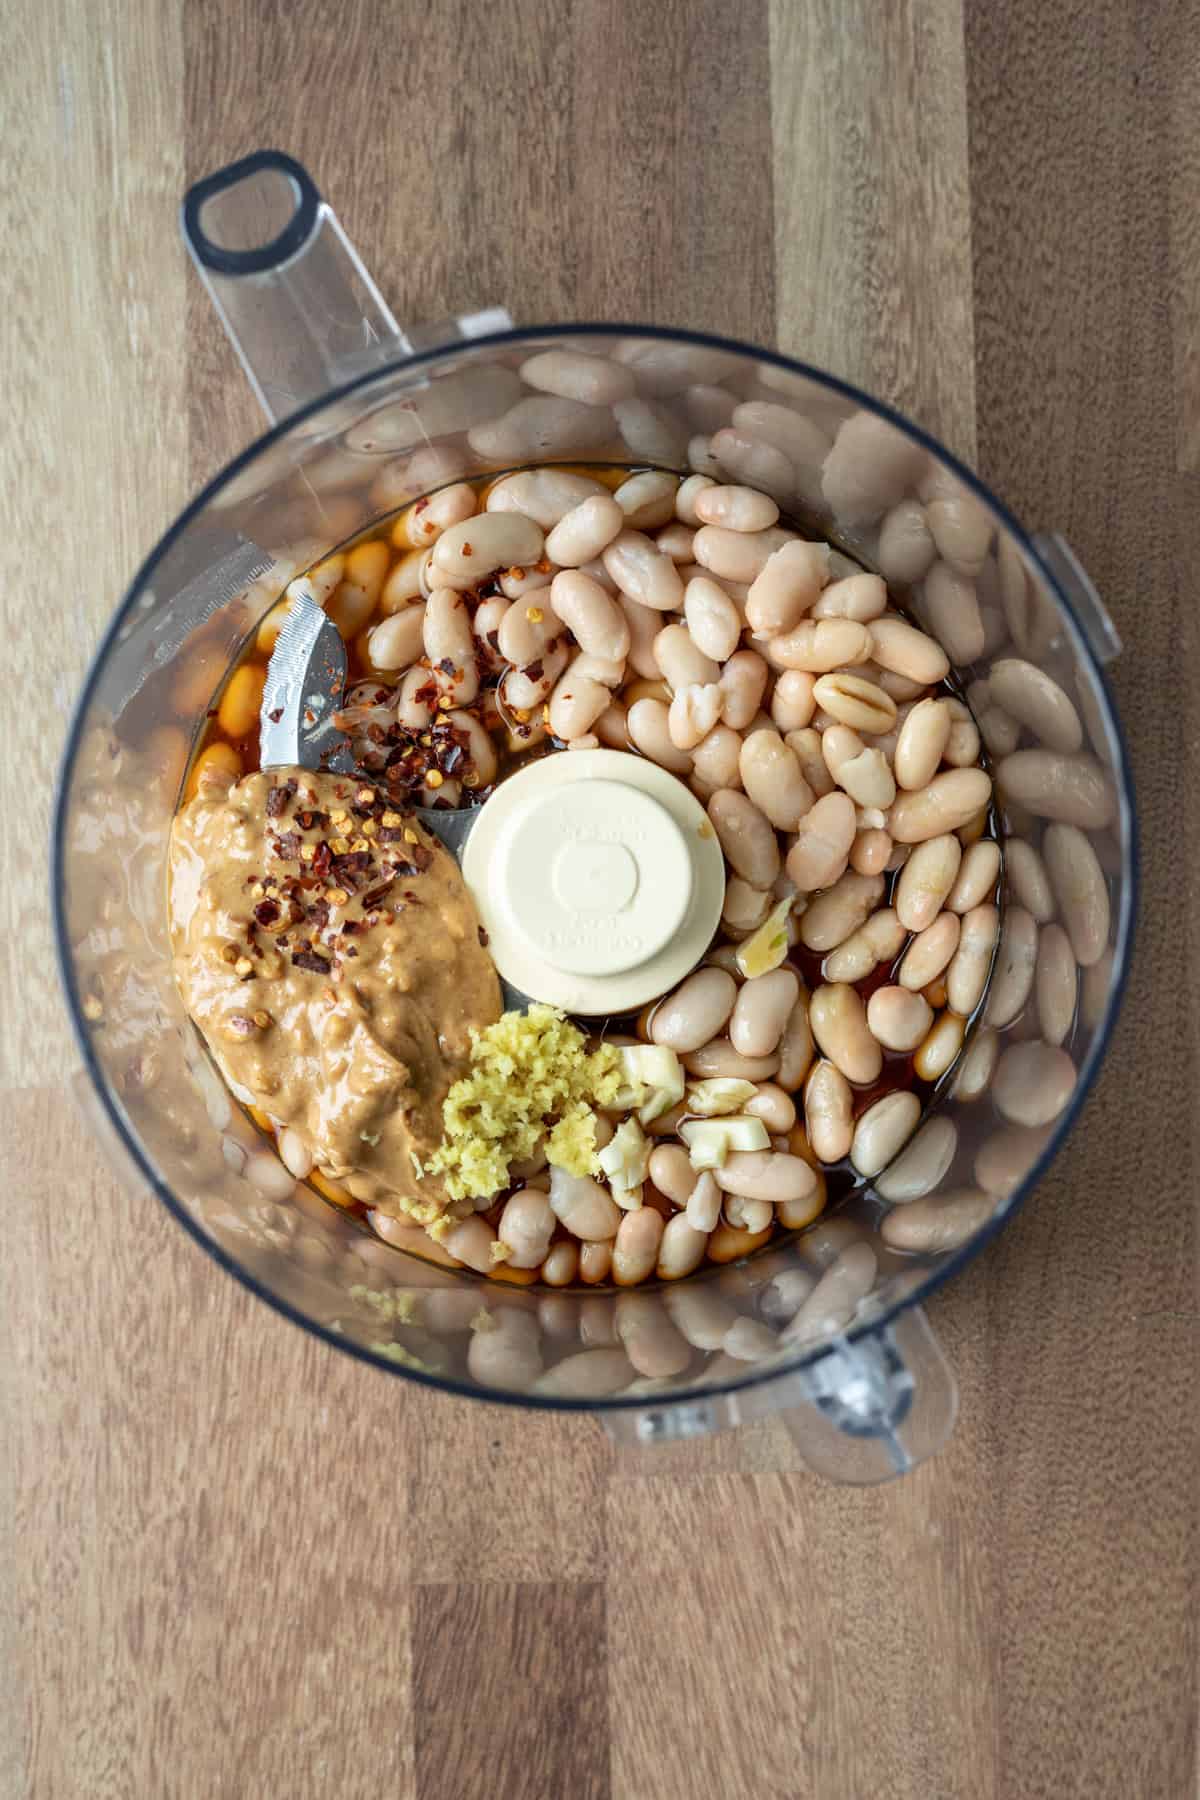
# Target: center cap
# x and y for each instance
(595, 878)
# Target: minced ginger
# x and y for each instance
(533, 1083)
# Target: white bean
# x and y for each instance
(774, 1107)
(479, 546)
(795, 1047)
(680, 663)
(962, 531)
(745, 907)
(529, 628)
(610, 675)
(737, 508)
(858, 596)
(635, 1250)
(977, 875)
(585, 532)
(967, 973)
(588, 1375)
(840, 910)
(839, 1025)
(671, 1172)
(647, 499)
(704, 1203)
(561, 1266)
(1056, 984)
(1006, 1157)
(807, 745)
(1080, 888)
(716, 760)
(470, 1241)
(906, 547)
(787, 586)
(770, 774)
(743, 682)
(1033, 1083)
(397, 642)
(576, 704)
(686, 495)
(937, 1223)
(950, 607)
(882, 1130)
(695, 711)
(1012, 977)
(898, 1019)
(719, 1058)
(526, 1226)
(792, 703)
(901, 648)
(871, 466)
(828, 1112)
(522, 691)
(878, 941)
(975, 1073)
(712, 618)
(940, 1048)
(1035, 700)
(748, 459)
(575, 375)
(822, 847)
(681, 1249)
(481, 752)
(863, 773)
(855, 702)
(922, 1165)
(509, 1355)
(599, 626)
(737, 555)
(950, 801)
(582, 1206)
(1071, 789)
(761, 1011)
(695, 1012)
(648, 723)
(926, 880)
(821, 645)
(542, 426)
(929, 952)
(447, 636)
(1028, 879)
(921, 741)
(745, 836)
(770, 1175)
(642, 572)
(676, 541)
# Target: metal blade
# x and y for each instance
(306, 677)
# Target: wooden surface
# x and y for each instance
(236, 1564)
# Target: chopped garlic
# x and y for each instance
(655, 1078)
(767, 947)
(722, 1094)
(710, 1141)
(625, 1158)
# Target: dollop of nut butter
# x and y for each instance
(329, 951)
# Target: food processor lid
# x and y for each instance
(598, 878)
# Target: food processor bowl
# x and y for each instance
(825, 1328)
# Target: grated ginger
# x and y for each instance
(532, 1079)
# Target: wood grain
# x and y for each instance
(237, 1564)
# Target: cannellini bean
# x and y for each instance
(588, 1375)
(598, 668)
(648, 723)
(1096, 989)
(599, 626)
(899, 647)
(397, 642)
(716, 760)
(840, 910)
(807, 744)
(516, 583)
(977, 876)
(526, 1226)
(745, 836)
(836, 1297)
(950, 801)
(583, 1206)
(929, 952)
(771, 1175)
(718, 1057)
(761, 1011)
(745, 908)
(962, 531)
(1012, 977)
(821, 645)
(681, 1249)
(839, 1025)
(647, 499)
(878, 941)
(737, 555)
(863, 773)
(748, 459)
(700, 1312)
(485, 626)
(999, 731)
(922, 1165)
(447, 636)
(801, 440)
(1007, 1156)
(858, 596)
(529, 627)
(967, 973)
(694, 712)
(736, 508)
(686, 495)
(680, 663)
(522, 691)
(921, 741)
(1033, 1083)
(509, 1355)
(870, 851)
(748, 1215)
(635, 1250)
(770, 774)
(1056, 984)
(871, 466)
(1028, 879)
(855, 702)
(1079, 886)
(671, 1172)
(575, 375)
(585, 532)
(898, 1019)
(470, 1241)
(676, 541)
(481, 752)
(786, 587)
(937, 1223)
(950, 607)
(541, 426)
(412, 712)
(713, 621)
(975, 1071)
(822, 847)
(1071, 789)
(792, 703)
(653, 433)
(561, 1266)
(403, 585)
(479, 546)
(642, 572)
(774, 1107)
(883, 1130)
(704, 1204)
(644, 626)
(795, 1047)
(926, 880)
(743, 681)
(1029, 695)
(906, 547)
(695, 1012)
(575, 705)
(940, 1047)
(595, 1261)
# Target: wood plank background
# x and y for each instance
(238, 1565)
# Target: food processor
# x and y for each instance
(824, 1328)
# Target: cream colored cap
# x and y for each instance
(598, 878)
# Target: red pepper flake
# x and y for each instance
(275, 714)
(322, 861)
(535, 670)
(287, 846)
(308, 959)
(266, 913)
(483, 938)
(446, 665)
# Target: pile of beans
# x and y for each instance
(678, 619)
